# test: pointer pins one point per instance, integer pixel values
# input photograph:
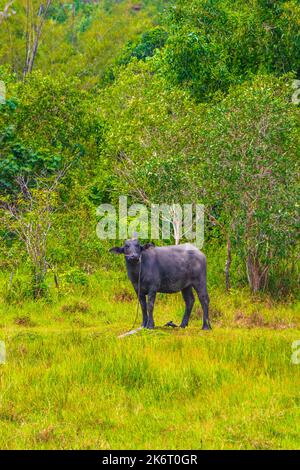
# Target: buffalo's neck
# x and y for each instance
(133, 271)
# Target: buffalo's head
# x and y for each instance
(132, 250)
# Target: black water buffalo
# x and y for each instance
(166, 269)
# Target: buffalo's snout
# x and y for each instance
(133, 258)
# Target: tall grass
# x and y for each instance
(70, 382)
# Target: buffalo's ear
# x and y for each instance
(118, 250)
(147, 246)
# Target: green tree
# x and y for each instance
(213, 44)
(46, 123)
(49, 132)
(252, 156)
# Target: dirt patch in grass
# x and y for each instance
(45, 435)
(59, 319)
(215, 314)
(23, 350)
(280, 324)
(250, 321)
(257, 320)
(79, 322)
(123, 296)
(8, 413)
(24, 321)
(75, 307)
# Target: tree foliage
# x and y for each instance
(213, 44)
(167, 102)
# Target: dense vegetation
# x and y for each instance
(164, 101)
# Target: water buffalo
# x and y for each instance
(166, 269)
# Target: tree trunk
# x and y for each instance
(39, 288)
(227, 265)
(33, 34)
(257, 275)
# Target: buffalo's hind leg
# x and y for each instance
(204, 301)
(189, 299)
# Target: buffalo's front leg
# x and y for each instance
(143, 303)
(151, 300)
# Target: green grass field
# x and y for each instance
(69, 382)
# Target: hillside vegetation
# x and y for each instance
(179, 101)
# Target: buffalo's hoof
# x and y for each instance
(206, 327)
(183, 325)
(150, 327)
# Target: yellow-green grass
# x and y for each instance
(70, 382)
